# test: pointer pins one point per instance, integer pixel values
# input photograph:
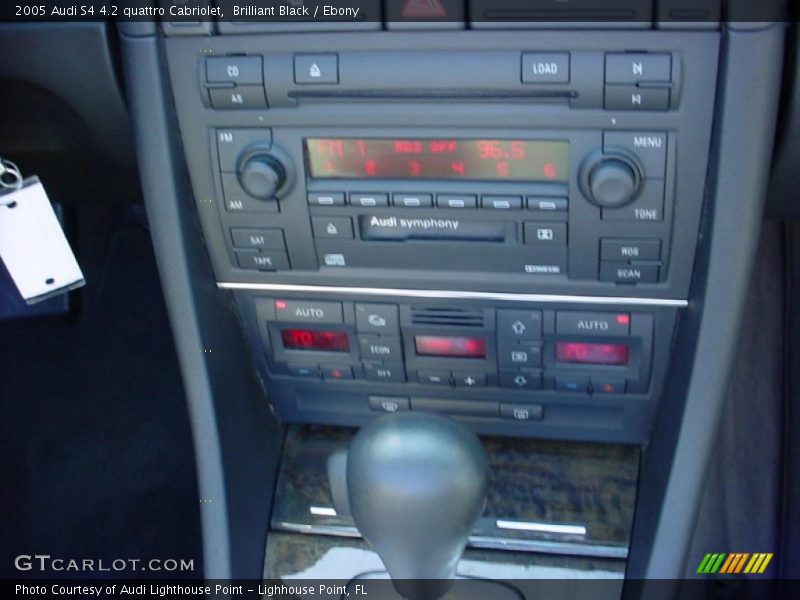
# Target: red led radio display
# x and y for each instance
(453, 347)
(317, 341)
(506, 160)
(592, 354)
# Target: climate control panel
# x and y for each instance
(468, 360)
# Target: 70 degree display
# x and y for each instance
(468, 159)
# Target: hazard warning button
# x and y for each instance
(425, 13)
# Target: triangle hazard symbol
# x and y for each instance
(423, 9)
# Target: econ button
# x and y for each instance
(545, 67)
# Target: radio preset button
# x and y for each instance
(456, 201)
(554, 234)
(316, 68)
(628, 250)
(385, 372)
(522, 412)
(332, 227)
(299, 311)
(326, 198)
(633, 68)
(239, 97)
(378, 318)
(241, 70)
(262, 261)
(501, 202)
(649, 146)
(375, 347)
(628, 273)
(542, 67)
(593, 323)
(519, 325)
(523, 379)
(369, 200)
(412, 200)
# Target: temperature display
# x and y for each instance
(592, 354)
(456, 347)
(317, 341)
(507, 160)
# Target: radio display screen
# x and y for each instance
(452, 159)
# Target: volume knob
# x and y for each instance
(613, 183)
(262, 175)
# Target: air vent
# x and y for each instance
(450, 317)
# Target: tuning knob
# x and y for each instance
(262, 175)
(611, 180)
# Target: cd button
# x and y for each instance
(241, 70)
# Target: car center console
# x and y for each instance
(499, 226)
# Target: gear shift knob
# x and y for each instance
(417, 484)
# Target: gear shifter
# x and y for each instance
(416, 485)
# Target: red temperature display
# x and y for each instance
(454, 347)
(318, 341)
(467, 159)
(592, 354)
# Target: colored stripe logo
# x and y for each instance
(734, 563)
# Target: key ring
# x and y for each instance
(10, 179)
